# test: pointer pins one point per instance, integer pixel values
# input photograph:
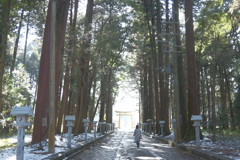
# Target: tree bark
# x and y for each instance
(109, 98)
(203, 95)
(42, 103)
(16, 43)
(26, 40)
(84, 69)
(193, 104)
(65, 96)
(5, 14)
(228, 90)
(212, 86)
(223, 99)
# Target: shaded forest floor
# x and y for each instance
(225, 145)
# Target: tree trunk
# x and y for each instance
(223, 99)
(26, 40)
(103, 98)
(93, 97)
(166, 74)
(193, 104)
(180, 83)
(84, 69)
(72, 48)
(42, 103)
(145, 93)
(16, 43)
(148, 5)
(212, 86)
(158, 65)
(204, 100)
(208, 103)
(228, 91)
(5, 13)
(109, 98)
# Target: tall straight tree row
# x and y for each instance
(81, 112)
(204, 56)
(162, 32)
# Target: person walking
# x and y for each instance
(137, 135)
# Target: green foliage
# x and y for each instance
(16, 91)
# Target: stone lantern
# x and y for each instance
(101, 127)
(69, 120)
(21, 114)
(94, 127)
(86, 122)
(154, 127)
(197, 119)
(162, 126)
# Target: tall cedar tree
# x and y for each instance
(193, 105)
(4, 29)
(81, 111)
(42, 103)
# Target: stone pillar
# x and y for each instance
(154, 127)
(197, 119)
(21, 114)
(86, 122)
(94, 128)
(162, 127)
(100, 127)
(69, 120)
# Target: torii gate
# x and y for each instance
(124, 113)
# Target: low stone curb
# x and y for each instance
(192, 150)
(71, 152)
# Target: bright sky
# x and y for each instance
(127, 99)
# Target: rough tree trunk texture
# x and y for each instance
(5, 7)
(26, 40)
(84, 69)
(203, 93)
(109, 98)
(93, 97)
(42, 103)
(223, 97)
(163, 108)
(159, 58)
(181, 75)
(103, 98)
(213, 90)
(149, 18)
(228, 90)
(166, 75)
(151, 94)
(72, 49)
(208, 102)
(145, 92)
(73, 91)
(193, 104)
(141, 97)
(16, 43)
